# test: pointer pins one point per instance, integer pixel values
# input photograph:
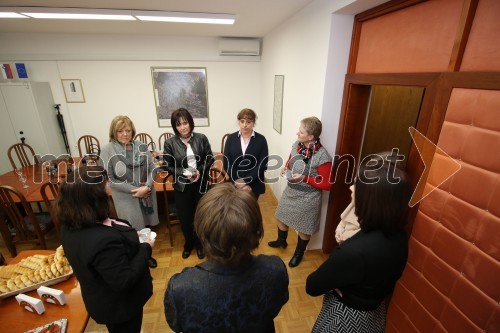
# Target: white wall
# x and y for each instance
(311, 50)
(116, 78)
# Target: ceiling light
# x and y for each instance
(11, 15)
(115, 14)
(183, 17)
(77, 13)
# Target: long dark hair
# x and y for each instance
(83, 200)
(177, 116)
(381, 197)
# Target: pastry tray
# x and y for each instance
(36, 285)
(62, 323)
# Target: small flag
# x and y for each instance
(6, 71)
(21, 71)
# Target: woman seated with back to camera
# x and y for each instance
(359, 276)
(233, 291)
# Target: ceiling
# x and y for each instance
(255, 18)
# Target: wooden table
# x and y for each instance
(36, 176)
(14, 319)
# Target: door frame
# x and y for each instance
(438, 88)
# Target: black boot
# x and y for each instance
(281, 241)
(299, 252)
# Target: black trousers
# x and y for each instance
(131, 326)
(186, 203)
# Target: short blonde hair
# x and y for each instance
(313, 126)
(228, 223)
(117, 124)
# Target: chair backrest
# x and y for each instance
(163, 137)
(146, 139)
(217, 176)
(24, 154)
(27, 230)
(49, 192)
(90, 145)
(223, 142)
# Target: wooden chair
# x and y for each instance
(170, 215)
(163, 137)
(148, 140)
(217, 176)
(23, 227)
(24, 154)
(223, 142)
(49, 192)
(91, 145)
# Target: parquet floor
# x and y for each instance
(297, 316)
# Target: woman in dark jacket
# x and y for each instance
(246, 155)
(359, 276)
(106, 256)
(233, 291)
(188, 156)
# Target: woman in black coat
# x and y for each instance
(233, 291)
(359, 276)
(106, 256)
(246, 155)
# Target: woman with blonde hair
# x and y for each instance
(131, 171)
(308, 173)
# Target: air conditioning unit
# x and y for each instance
(239, 46)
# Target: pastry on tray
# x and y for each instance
(34, 271)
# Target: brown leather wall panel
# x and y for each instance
(418, 38)
(451, 281)
(481, 53)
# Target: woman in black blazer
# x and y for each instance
(246, 155)
(359, 276)
(106, 256)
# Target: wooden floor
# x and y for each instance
(297, 316)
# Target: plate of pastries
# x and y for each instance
(33, 272)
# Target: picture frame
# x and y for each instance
(180, 87)
(279, 84)
(73, 90)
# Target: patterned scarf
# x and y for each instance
(308, 152)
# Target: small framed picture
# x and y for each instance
(73, 90)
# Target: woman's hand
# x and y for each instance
(296, 178)
(194, 178)
(141, 192)
(283, 171)
(151, 242)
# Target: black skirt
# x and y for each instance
(339, 318)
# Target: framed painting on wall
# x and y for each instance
(73, 90)
(176, 88)
(279, 81)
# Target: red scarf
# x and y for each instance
(308, 152)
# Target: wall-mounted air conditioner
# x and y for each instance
(239, 46)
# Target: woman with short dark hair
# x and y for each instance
(246, 155)
(233, 291)
(107, 258)
(188, 156)
(359, 276)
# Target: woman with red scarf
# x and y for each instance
(308, 173)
